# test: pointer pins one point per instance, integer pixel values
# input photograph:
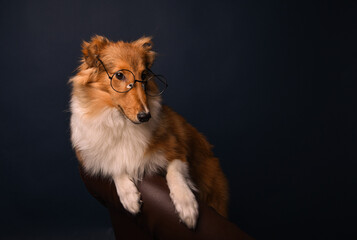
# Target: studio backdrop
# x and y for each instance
(271, 84)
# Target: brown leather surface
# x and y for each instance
(157, 219)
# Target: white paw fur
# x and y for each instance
(180, 193)
(128, 194)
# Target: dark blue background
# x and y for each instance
(272, 84)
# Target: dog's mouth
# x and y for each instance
(122, 112)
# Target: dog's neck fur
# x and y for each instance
(110, 144)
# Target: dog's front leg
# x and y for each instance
(181, 195)
(128, 193)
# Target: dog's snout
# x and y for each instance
(143, 116)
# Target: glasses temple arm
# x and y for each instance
(104, 67)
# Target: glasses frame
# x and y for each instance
(159, 77)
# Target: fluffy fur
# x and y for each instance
(109, 140)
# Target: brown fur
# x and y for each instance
(174, 137)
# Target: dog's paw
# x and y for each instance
(129, 195)
(185, 205)
(131, 201)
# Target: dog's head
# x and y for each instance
(114, 74)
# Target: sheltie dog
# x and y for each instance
(121, 131)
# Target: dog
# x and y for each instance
(120, 129)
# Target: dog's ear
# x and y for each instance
(92, 49)
(146, 44)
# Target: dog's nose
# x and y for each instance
(143, 116)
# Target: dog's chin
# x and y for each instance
(135, 122)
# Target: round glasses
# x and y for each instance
(124, 80)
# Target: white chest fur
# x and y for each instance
(111, 145)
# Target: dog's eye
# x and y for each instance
(144, 75)
(120, 76)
